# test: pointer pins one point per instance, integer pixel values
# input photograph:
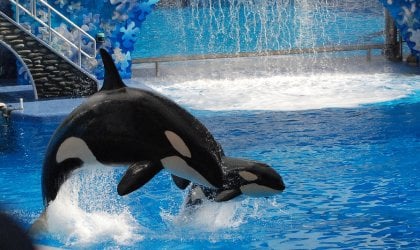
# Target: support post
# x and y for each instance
(156, 69)
(393, 41)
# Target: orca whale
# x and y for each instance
(241, 176)
(252, 178)
(127, 126)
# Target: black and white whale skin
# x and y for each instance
(120, 125)
(240, 176)
(251, 178)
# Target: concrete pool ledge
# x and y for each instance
(53, 108)
(47, 108)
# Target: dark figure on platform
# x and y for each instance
(11, 235)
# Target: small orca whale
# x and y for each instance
(252, 178)
(120, 125)
(241, 176)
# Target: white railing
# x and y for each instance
(32, 12)
(315, 50)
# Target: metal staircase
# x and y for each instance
(41, 12)
(54, 73)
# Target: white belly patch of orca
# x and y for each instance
(177, 166)
(74, 147)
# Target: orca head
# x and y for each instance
(254, 178)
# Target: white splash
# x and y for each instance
(86, 211)
(290, 92)
(208, 217)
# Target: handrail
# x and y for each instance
(324, 49)
(262, 53)
(33, 14)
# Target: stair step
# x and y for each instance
(53, 75)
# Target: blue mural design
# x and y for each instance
(119, 20)
(406, 14)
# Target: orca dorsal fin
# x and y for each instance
(112, 79)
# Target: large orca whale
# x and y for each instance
(120, 125)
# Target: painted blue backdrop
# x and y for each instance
(406, 14)
(119, 20)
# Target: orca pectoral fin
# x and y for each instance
(137, 175)
(227, 195)
(181, 183)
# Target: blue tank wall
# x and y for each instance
(406, 14)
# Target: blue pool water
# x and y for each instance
(347, 144)
(351, 174)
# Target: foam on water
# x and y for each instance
(290, 92)
(208, 217)
(215, 222)
(282, 83)
(87, 211)
(209, 222)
